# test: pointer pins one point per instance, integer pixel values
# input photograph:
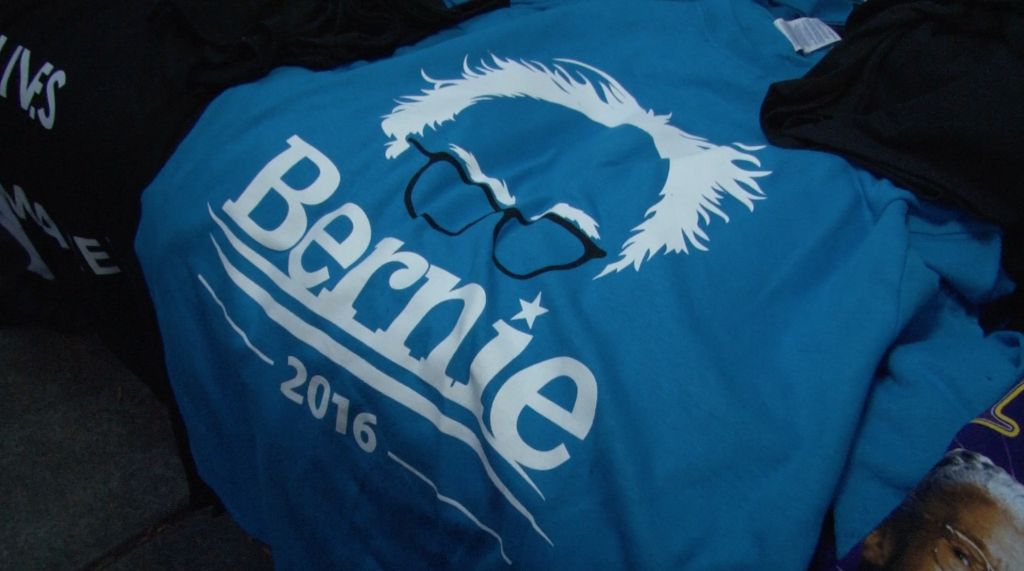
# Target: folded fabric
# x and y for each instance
(942, 352)
(537, 295)
(244, 39)
(96, 94)
(928, 94)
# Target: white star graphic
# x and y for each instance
(531, 311)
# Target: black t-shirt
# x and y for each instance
(96, 94)
(927, 93)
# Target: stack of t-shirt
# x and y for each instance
(94, 97)
(537, 294)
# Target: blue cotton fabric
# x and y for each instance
(535, 294)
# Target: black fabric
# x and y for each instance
(927, 93)
(243, 39)
(120, 83)
(117, 99)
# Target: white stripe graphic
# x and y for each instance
(317, 306)
(451, 502)
(232, 323)
(370, 375)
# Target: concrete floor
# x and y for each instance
(89, 475)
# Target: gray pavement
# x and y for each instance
(89, 475)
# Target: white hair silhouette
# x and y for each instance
(698, 175)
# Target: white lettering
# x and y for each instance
(523, 390)
(44, 221)
(49, 115)
(341, 420)
(288, 387)
(337, 305)
(496, 355)
(362, 429)
(9, 222)
(315, 384)
(21, 205)
(343, 296)
(346, 252)
(93, 256)
(438, 289)
(7, 71)
(291, 230)
(29, 90)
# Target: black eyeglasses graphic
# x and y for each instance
(590, 250)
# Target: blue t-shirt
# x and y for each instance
(537, 295)
(830, 11)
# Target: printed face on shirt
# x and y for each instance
(565, 167)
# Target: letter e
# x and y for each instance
(523, 390)
(291, 230)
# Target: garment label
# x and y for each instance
(807, 34)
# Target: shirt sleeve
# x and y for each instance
(942, 371)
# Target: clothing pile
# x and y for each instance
(659, 284)
(96, 95)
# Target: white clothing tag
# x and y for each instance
(807, 34)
